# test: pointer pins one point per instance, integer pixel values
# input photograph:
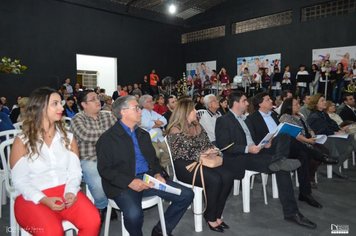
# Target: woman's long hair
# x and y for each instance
(35, 111)
(179, 118)
(287, 107)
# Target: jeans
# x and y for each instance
(129, 202)
(93, 180)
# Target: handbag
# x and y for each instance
(208, 161)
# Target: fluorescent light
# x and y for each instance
(172, 8)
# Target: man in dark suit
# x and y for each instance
(244, 154)
(125, 153)
(264, 121)
(348, 113)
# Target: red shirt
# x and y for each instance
(160, 109)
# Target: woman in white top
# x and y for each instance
(46, 172)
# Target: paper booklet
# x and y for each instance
(282, 128)
(160, 185)
(321, 138)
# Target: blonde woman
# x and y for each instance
(188, 141)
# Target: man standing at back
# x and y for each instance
(125, 154)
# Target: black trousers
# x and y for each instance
(285, 146)
(218, 184)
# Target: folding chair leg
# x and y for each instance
(246, 193)
(236, 190)
(198, 208)
(264, 178)
(274, 187)
(346, 164)
(329, 170)
(107, 221)
(161, 217)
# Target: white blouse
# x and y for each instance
(54, 165)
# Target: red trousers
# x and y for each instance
(41, 220)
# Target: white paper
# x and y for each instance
(160, 185)
(345, 136)
(266, 140)
(321, 138)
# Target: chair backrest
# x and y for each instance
(171, 158)
(11, 133)
(200, 113)
(18, 125)
(5, 162)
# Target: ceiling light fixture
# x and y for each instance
(172, 8)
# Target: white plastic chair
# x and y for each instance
(7, 135)
(15, 228)
(200, 113)
(247, 184)
(18, 125)
(198, 195)
(147, 202)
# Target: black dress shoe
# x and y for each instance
(157, 232)
(284, 164)
(310, 200)
(340, 175)
(224, 226)
(215, 229)
(327, 160)
(301, 220)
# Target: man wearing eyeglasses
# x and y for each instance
(87, 126)
(154, 123)
(125, 153)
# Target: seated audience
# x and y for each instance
(125, 153)
(171, 105)
(244, 154)
(317, 153)
(208, 118)
(46, 173)
(331, 111)
(348, 113)
(70, 108)
(160, 106)
(153, 123)
(321, 123)
(264, 121)
(223, 108)
(18, 112)
(107, 103)
(189, 141)
(87, 126)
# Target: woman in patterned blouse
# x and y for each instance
(188, 141)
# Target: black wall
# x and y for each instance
(47, 34)
(295, 41)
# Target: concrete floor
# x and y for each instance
(337, 196)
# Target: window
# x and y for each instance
(204, 34)
(264, 22)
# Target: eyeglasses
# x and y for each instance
(94, 99)
(136, 108)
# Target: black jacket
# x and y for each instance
(228, 130)
(321, 123)
(117, 161)
(347, 114)
(258, 126)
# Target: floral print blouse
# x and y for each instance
(188, 147)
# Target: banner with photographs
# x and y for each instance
(203, 69)
(253, 63)
(344, 55)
